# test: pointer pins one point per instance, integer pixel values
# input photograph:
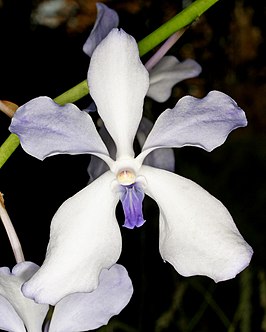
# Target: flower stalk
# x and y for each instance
(164, 49)
(11, 233)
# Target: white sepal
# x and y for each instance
(118, 83)
(197, 234)
(84, 239)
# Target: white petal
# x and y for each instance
(30, 313)
(203, 123)
(118, 83)
(88, 311)
(167, 73)
(197, 234)
(84, 238)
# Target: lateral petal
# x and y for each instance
(197, 234)
(204, 123)
(84, 239)
(46, 128)
(167, 73)
(118, 83)
(106, 20)
(88, 311)
(25, 311)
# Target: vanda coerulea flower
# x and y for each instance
(197, 234)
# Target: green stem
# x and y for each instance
(8, 147)
(181, 20)
(70, 96)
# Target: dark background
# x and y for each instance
(228, 42)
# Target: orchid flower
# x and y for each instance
(75, 312)
(159, 158)
(197, 234)
(164, 74)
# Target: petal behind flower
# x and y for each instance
(84, 239)
(118, 83)
(204, 123)
(47, 129)
(9, 319)
(30, 313)
(197, 234)
(159, 158)
(97, 166)
(106, 20)
(167, 73)
(88, 311)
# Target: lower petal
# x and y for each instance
(84, 239)
(16, 311)
(197, 234)
(9, 319)
(88, 311)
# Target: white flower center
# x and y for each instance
(126, 177)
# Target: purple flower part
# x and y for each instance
(46, 128)
(106, 20)
(131, 198)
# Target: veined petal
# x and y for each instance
(132, 197)
(84, 239)
(106, 20)
(159, 158)
(167, 73)
(204, 123)
(46, 128)
(24, 310)
(88, 311)
(197, 234)
(118, 83)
